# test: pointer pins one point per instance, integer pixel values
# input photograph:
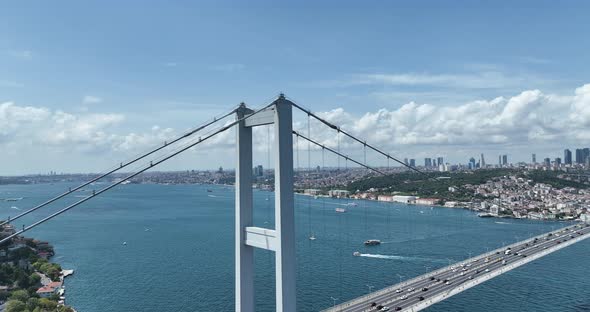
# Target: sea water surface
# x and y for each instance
(179, 251)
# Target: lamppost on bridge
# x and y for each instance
(334, 301)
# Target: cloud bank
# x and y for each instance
(530, 120)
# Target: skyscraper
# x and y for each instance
(427, 162)
(482, 162)
(558, 161)
(406, 161)
(567, 157)
(440, 161)
(547, 162)
(534, 158)
(412, 162)
(471, 163)
(504, 160)
(500, 160)
(582, 154)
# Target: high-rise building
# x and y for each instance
(504, 160)
(582, 154)
(547, 162)
(482, 161)
(434, 164)
(427, 162)
(558, 161)
(471, 163)
(406, 161)
(440, 161)
(534, 158)
(579, 156)
(412, 162)
(567, 157)
(500, 160)
(258, 171)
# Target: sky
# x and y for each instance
(85, 85)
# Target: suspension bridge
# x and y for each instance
(411, 295)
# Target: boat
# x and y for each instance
(352, 204)
(356, 254)
(312, 237)
(124, 243)
(209, 191)
(340, 210)
(372, 242)
(484, 215)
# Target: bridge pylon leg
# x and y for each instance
(284, 207)
(244, 266)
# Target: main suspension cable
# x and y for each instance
(331, 125)
(151, 165)
(117, 168)
(338, 153)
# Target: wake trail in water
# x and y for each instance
(500, 222)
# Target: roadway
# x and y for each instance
(423, 291)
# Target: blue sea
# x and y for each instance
(179, 251)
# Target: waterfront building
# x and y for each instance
(404, 199)
(427, 201)
(338, 193)
(567, 156)
(312, 192)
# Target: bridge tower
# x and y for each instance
(281, 240)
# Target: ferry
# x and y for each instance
(372, 242)
(340, 210)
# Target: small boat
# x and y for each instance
(209, 191)
(484, 215)
(340, 210)
(372, 242)
(312, 237)
(356, 254)
(124, 243)
(352, 204)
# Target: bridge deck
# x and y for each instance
(411, 295)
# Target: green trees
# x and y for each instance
(52, 270)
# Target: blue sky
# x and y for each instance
(173, 64)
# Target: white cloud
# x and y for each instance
(479, 80)
(530, 118)
(90, 99)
